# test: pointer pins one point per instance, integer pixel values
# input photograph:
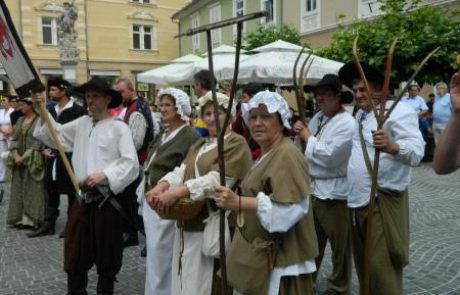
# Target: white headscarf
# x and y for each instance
(222, 100)
(183, 106)
(274, 102)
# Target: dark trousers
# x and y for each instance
(129, 203)
(93, 236)
(53, 201)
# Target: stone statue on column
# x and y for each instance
(67, 36)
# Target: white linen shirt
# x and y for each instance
(394, 171)
(105, 146)
(327, 154)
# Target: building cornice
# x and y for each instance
(190, 8)
(332, 27)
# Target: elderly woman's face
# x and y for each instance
(264, 126)
(24, 107)
(209, 118)
(168, 109)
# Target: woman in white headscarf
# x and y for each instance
(194, 268)
(167, 151)
(274, 248)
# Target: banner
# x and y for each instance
(14, 58)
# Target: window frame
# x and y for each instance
(216, 35)
(52, 26)
(142, 1)
(273, 15)
(141, 32)
(196, 41)
(235, 14)
(313, 11)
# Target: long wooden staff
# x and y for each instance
(381, 118)
(44, 116)
(298, 87)
(221, 129)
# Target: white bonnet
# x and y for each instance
(222, 100)
(274, 102)
(182, 101)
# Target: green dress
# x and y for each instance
(27, 203)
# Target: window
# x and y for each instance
(239, 7)
(268, 6)
(310, 5)
(49, 31)
(195, 20)
(214, 16)
(368, 8)
(142, 37)
(238, 10)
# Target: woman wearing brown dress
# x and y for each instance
(274, 248)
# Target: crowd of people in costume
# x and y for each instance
(290, 186)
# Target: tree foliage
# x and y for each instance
(419, 29)
(268, 34)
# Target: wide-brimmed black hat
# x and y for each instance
(331, 81)
(59, 83)
(349, 72)
(103, 85)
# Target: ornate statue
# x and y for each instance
(69, 52)
(67, 19)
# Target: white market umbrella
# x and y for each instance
(274, 64)
(223, 56)
(278, 45)
(178, 65)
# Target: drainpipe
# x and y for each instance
(85, 3)
(20, 18)
(281, 12)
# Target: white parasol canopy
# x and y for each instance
(275, 63)
(223, 57)
(178, 65)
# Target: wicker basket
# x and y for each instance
(184, 209)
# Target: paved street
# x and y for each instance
(34, 266)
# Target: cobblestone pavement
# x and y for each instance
(34, 266)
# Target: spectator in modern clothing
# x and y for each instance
(203, 82)
(447, 154)
(418, 104)
(442, 109)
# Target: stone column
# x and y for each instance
(69, 53)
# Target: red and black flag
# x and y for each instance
(14, 58)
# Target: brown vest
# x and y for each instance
(238, 161)
(283, 176)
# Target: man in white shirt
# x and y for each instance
(105, 162)
(401, 145)
(328, 147)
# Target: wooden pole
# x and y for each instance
(381, 118)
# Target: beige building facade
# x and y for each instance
(317, 20)
(116, 38)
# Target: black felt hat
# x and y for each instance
(102, 85)
(349, 72)
(332, 81)
(59, 83)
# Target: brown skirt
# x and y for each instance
(297, 285)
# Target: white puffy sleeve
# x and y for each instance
(279, 217)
